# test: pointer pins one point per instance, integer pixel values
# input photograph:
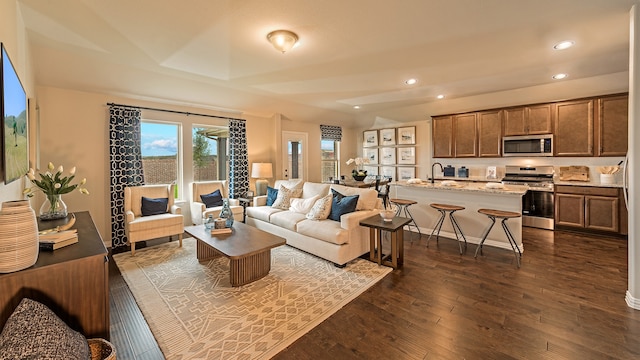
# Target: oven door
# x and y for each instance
(537, 209)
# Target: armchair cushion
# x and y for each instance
(154, 206)
(272, 195)
(342, 205)
(212, 200)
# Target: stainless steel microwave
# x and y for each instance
(529, 145)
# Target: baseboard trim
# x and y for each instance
(632, 302)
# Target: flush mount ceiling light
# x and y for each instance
(411, 81)
(559, 76)
(440, 96)
(356, 107)
(282, 40)
(564, 45)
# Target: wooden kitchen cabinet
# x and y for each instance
(442, 136)
(490, 133)
(612, 113)
(528, 120)
(590, 208)
(465, 141)
(73, 281)
(574, 128)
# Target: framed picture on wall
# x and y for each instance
(371, 154)
(388, 156)
(388, 171)
(371, 170)
(407, 135)
(407, 155)
(387, 137)
(406, 173)
(14, 121)
(370, 138)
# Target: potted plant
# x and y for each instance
(358, 173)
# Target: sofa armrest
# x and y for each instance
(352, 220)
(234, 202)
(129, 216)
(197, 209)
(259, 200)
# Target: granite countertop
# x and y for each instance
(466, 186)
(587, 183)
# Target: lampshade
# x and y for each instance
(261, 170)
(282, 40)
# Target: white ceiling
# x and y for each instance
(214, 53)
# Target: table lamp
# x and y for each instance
(261, 171)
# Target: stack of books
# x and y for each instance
(221, 231)
(57, 239)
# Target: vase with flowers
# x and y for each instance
(358, 173)
(53, 186)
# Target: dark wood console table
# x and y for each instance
(73, 281)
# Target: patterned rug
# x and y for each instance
(195, 313)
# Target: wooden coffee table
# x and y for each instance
(247, 248)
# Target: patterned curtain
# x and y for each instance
(329, 132)
(125, 161)
(238, 159)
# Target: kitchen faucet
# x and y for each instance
(441, 169)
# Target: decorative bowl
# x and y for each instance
(359, 177)
(387, 215)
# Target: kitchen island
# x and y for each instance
(472, 196)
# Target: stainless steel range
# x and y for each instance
(537, 203)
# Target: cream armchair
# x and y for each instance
(199, 210)
(140, 228)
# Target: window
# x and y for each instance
(210, 152)
(161, 155)
(330, 151)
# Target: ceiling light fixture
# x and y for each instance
(564, 45)
(559, 76)
(411, 81)
(282, 40)
(356, 107)
(440, 96)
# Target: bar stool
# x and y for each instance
(403, 206)
(450, 209)
(504, 215)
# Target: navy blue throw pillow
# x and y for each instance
(154, 206)
(342, 205)
(272, 194)
(212, 200)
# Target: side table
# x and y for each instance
(244, 202)
(376, 228)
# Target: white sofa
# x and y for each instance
(336, 241)
(199, 209)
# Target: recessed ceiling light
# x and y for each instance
(411, 81)
(356, 107)
(564, 45)
(559, 76)
(440, 96)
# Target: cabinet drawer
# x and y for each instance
(587, 190)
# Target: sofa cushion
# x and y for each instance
(154, 206)
(311, 189)
(262, 212)
(321, 208)
(286, 219)
(368, 198)
(33, 331)
(325, 230)
(342, 205)
(303, 206)
(212, 200)
(283, 201)
(272, 194)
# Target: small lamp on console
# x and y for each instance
(261, 171)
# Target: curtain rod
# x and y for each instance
(173, 111)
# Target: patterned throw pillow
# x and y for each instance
(283, 201)
(303, 206)
(342, 205)
(212, 200)
(321, 208)
(33, 331)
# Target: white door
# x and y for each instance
(294, 155)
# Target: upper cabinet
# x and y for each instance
(611, 127)
(465, 135)
(442, 134)
(490, 133)
(574, 128)
(528, 120)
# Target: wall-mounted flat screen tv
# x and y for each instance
(14, 122)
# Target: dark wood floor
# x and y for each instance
(565, 302)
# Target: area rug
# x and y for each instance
(195, 313)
